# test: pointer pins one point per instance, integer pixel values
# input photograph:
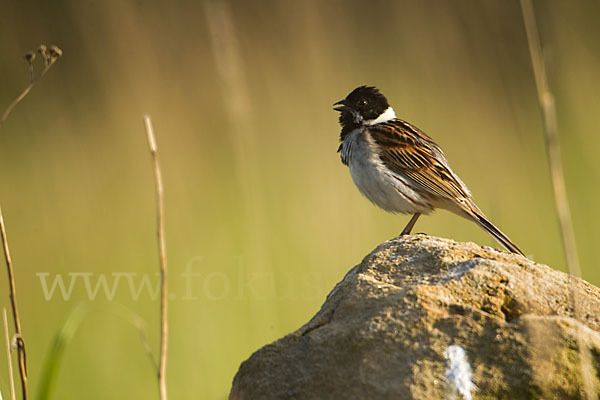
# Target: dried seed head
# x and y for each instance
(42, 49)
(55, 52)
(30, 56)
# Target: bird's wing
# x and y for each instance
(409, 152)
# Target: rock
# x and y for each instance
(429, 318)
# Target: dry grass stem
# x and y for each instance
(561, 201)
(11, 378)
(546, 100)
(15, 310)
(50, 57)
(162, 359)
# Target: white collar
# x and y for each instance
(386, 116)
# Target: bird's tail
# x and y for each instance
(480, 219)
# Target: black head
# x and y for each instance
(362, 104)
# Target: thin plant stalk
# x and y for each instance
(138, 323)
(15, 309)
(164, 326)
(49, 55)
(11, 378)
(546, 100)
(561, 201)
(49, 60)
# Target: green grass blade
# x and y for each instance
(55, 354)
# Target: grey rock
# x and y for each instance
(429, 318)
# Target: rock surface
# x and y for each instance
(429, 318)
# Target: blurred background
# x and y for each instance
(262, 218)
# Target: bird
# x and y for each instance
(398, 167)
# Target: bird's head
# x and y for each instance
(365, 105)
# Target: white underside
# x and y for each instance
(376, 182)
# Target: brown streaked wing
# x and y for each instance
(409, 152)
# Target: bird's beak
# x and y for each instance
(342, 107)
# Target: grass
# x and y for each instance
(49, 376)
(49, 57)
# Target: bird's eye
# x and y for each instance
(362, 102)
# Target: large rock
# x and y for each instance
(429, 318)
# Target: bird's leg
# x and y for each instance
(411, 223)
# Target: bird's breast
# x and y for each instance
(374, 180)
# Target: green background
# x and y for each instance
(257, 201)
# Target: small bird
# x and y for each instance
(398, 167)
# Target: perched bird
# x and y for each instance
(398, 167)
